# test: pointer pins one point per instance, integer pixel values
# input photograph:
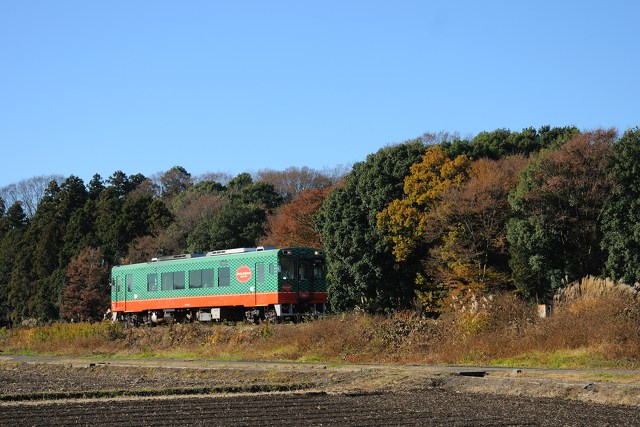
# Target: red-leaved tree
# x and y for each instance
(86, 296)
(293, 224)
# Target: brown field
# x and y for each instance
(58, 391)
(424, 408)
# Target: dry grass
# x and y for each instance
(593, 288)
(596, 323)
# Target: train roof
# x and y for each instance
(225, 252)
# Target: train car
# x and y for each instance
(256, 283)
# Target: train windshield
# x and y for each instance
(307, 268)
(319, 271)
(287, 268)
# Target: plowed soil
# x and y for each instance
(61, 392)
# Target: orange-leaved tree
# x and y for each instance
(293, 224)
(471, 257)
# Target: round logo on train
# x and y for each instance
(243, 274)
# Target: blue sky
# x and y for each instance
(93, 87)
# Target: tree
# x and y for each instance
(621, 219)
(15, 217)
(122, 213)
(119, 184)
(503, 142)
(239, 182)
(20, 291)
(136, 216)
(236, 225)
(362, 268)
(170, 229)
(257, 193)
(240, 220)
(407, 221)
(12, 229)
(29, 192)
(43, 253)
(292, 181)
(293, 224)
(96, 185)
(470, 258)
(79, 233)
(86, 296)
(556, 234)
(175, 181)
(219, 177)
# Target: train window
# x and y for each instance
(201, 279)
(318, 269)
(152, 282)
(224, 278)
(117, 284)
(195, 279)
(172, 281)
(270, 268)
(207, 278)
(178, 280)
(166, 281)
(304, 272)
(260, 273)
(287, 268)
(129, 279)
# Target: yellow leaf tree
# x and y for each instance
(407, 222)
(450, 226)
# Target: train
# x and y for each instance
(261, 283)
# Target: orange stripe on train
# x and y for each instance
(245, 300)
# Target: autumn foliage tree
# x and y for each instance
(407, 221)
(293, 224)
(556, 233)
(471, 256)
(450, 226)
(86, 296)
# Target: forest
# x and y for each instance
(431, 224)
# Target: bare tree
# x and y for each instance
(221, 177)
(28, 191)
(292, 181)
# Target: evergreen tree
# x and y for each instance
(363, 271)
(235, 225)
(556, 234)
(96, 185)
(175, 181)
(622, 213)
(12, 229)
(503, 142)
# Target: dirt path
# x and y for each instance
(57, 391)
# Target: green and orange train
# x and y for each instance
(255, 283)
